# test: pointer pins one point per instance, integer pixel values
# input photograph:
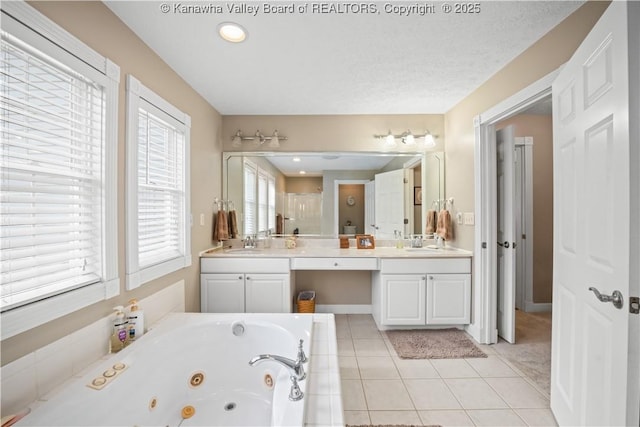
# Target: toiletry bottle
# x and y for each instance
(120, 336)
(399, 241)
(135, 318)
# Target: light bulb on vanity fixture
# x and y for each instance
(390, 140)
(275, 140)
(408, 138)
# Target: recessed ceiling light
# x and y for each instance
(296, 159)
(232, 32)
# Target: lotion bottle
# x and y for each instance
(120, 337)
(136, 321)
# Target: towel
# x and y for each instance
(432, 221)
(444, 229)
(279, 224)
(220, 226)
(233, 225)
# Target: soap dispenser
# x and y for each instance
(136, 320)
(119, 337)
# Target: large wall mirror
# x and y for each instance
(331, 194)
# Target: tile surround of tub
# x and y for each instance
(36, 375)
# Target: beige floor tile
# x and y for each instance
(377, 368)
(446, 418)
(370, 347)
(357, 418)
(345, 347)
(518, 393)
(392, 350)
(365, 331)
(361, 319)
(415, 368)
(386, 395)
(348, 368)
(431, 394)
(475, 393)
(492, 366)
(454, 368)
(495, 418)
(488, 349)
(394, 417)
(343, 331)
(353, 396)
(537, 417)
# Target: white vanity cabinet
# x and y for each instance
(421, 292)
(241, 285)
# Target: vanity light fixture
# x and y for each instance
(232, 32)
(407, 138)
(258, 138)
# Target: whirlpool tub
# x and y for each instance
(191, 370)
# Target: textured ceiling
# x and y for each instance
(332, 63)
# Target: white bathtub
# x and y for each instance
(155, 387)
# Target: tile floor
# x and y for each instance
(380, 388)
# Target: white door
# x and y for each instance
(370, 207)
(591, 228)
(505, 143)
(389, 194)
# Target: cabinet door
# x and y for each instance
(267, 293)
(448, 299)
(403, 299)
(222, 293)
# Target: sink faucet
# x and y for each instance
(250, 241)
(295, 366)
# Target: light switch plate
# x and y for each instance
(469, 218)
(459, 217)
(201, 219)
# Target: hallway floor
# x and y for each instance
(380, 388)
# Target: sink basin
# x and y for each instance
(243, 251)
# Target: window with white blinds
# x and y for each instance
(57, 173)
(158, 221)
(250, 198)
(259, 199)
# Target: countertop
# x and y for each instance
(336, 252)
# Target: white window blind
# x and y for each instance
(271, 225)
(250, 198)
(263, 203)
(52, 178)
(158, 221)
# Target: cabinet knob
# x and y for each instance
(239, 277)
(248, 278)
(335, 264)
(430, 277)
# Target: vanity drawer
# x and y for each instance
(425, 265)
(244, 265)
(334, 263)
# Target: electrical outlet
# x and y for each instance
(469, 218)
(201, 219)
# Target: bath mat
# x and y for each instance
(433, 344)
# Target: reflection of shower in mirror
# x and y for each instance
(303, 211)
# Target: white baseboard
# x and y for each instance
(344, 308)
(530, 306)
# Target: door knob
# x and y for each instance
(615, 297)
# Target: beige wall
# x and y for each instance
(543, 57)
(541, 129)
(336, 287)
(96, 26)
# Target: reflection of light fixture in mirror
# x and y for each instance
(258, 138)
(303, 172)
(296, 159)
(232, 32)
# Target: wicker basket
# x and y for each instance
(306, 302)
